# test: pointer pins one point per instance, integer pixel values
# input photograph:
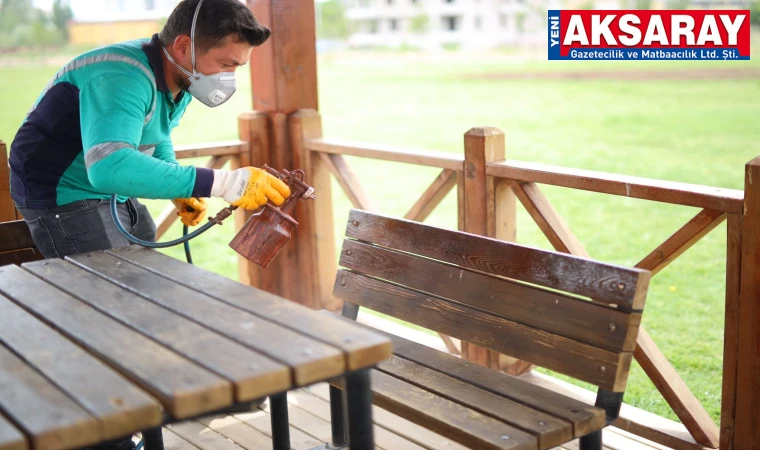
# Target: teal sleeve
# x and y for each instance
(165, 152)
(113, 111)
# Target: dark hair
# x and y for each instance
(217, 19)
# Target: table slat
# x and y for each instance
(183, 388)
(254, 375)
(45, 414)
(363, 348)
(119, 406)
(310, 360)
(10, 437)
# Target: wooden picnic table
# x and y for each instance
(106, 344)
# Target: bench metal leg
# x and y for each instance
(338, 418)
(278, 405)
(592, 441)
(153, 439)
(359, 393)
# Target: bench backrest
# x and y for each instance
(16, 244)
(572, 315)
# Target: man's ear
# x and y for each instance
(182, 45)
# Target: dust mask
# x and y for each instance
(211, 90)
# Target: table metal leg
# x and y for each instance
(278, 405)
(153, 439)
(338, 418)
(359, 393)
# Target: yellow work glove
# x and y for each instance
(249, 187)
(192, 210)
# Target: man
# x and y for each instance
(103, 126)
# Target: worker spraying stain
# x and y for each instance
(99, 137)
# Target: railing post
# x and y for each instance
(480, 197)
(7, 208)
(253, 128)
(731, 330)
(746, 434)
(316, 234)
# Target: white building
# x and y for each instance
(437, 23)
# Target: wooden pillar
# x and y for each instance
(731, 330)
(284, 80)
(7, 208)
(746, 434)
(480, 195)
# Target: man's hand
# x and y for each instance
(249, 187)
(191, 210)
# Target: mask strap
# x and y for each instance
(169, 57)
(192, 34)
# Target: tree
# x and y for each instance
(62, 14)
(15, 12)
(754, 12)
(332, 20)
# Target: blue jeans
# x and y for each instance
(85, 226)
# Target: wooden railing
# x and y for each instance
(489, 188)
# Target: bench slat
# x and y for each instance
(309, 361)
(15, 235)
(254, 375)
(363, 348)
(549, 430)
(585, 418)
(119, 406)
(577, 319)
(49, 417)
(10, 437)
(600, 281)
(594, 365)
(458, 423)
(148, 364)
(21, 256)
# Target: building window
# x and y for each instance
(449, 1)
(373, 26)
(503, 21)
(390, 2)
(393, 23)
(478, 22)
(450, 23)
(414, 2)
(150, 5)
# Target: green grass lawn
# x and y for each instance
(690, 131)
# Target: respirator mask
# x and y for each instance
(211, 90)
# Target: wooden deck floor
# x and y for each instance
(309, 413)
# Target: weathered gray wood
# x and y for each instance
(10, 437)
(362, 348)
(119, 406)
(609, 283)
(450, 419)
(309, 360)
(47, 416)
(143, 361)
(549, 430)
(577, 319)
(584, 417)
(19, 257)
(591, 364)
(253, 374)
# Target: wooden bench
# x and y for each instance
(571, 315)
(16, 244)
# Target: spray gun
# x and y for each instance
(262, 237)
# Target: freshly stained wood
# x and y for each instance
(554, 312)
(253, 374)
(18, 257)
(428, 158)
(731, 335)
(15, 235)
(549, 430)
(7, 208)
(119, 406)
(140, 359)
(584, 417)
(349, 182)
(10, 437)
(309, 361)
(363, 348)
(591, 364)
(48, 416)
(433, 196)
(461, 424)
(606, 282)
(728, 200)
